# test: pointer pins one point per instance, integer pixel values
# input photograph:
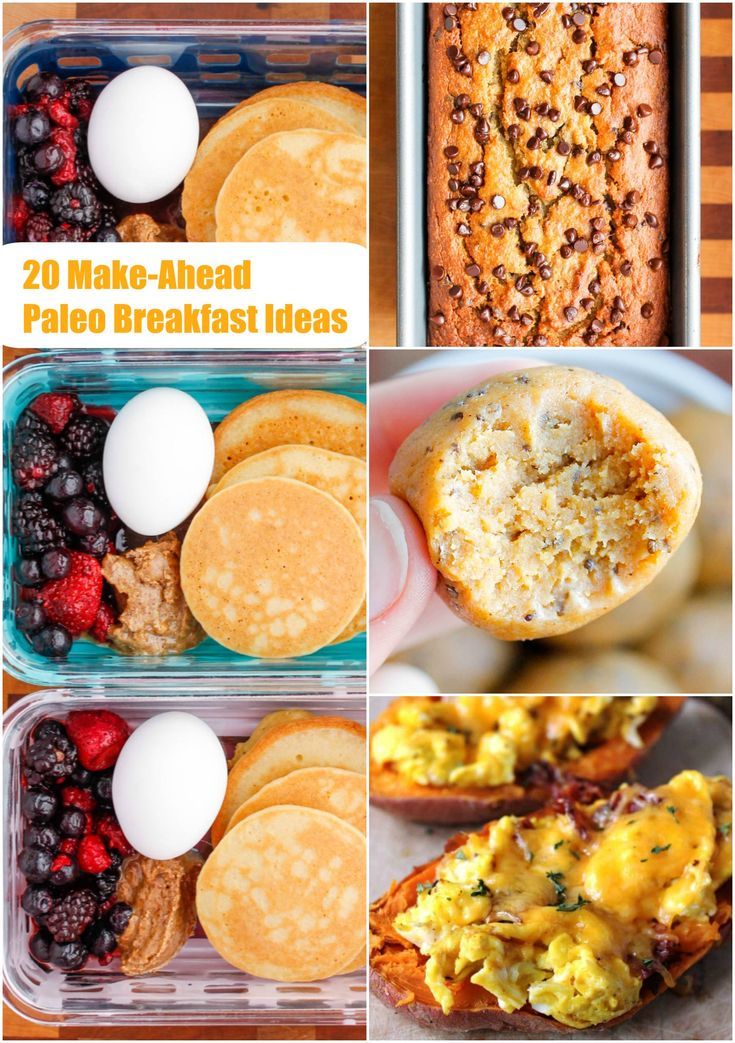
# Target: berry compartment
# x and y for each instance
(221, 63)
(219, 381)
(198, 985)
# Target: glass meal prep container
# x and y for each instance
(198, 986)
(221, 62)
(219, 382)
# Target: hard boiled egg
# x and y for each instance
(168, 784)
(401, 679)
(158, 460)
(143, 134)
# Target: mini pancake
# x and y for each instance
(283, 895)
(339, 101)
(343, 477)
(331, 742)
(299, 417)
(273, 568)
(340, 792)
(266, 724)
(297, 186)
(228, 140)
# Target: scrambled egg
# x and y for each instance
(486, 740)
(538, 912)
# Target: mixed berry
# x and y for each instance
(73, 847)
(62, 522)
(58, 199)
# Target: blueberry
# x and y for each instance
(36, 194)
(103, 789)
(64, 485)
(83, 516)
(48, 158)
(40, 946)
(56, 563)
(27, 572)
(119, 917)
(29, 617)
(35, 864)
(31, 128)
(66, 871)
(41, 836)
(38, 805)
(73, 822)
(37, 901)
(44, 83)
(99, 939)
(106, 235)
(97, 544)
(68, 956)
(82, 777)
(53, 642)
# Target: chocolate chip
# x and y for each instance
(633, 197)
(455, 291)
(626, 268)
(579, 35)
(581, 245)
(650, 147)
(643, 111)
(533, 143)
(526, 320)
(514, 132)
(499, 271)
(626, 137)
(551, 178)
(563, 148)
(597, 238)
(580, 103)
(483, 58)
(594, 287)
(437, 271)
(655, 264)
(486, 314)
(594, 157)
(613, 155)
(535, 175)
(457, 116)
(507, 13)
(630, 221)
(497, 230)
(519, 25)
(655, 57)
(452, 52)
(464, 230)
(650, 219)
(452, 184)
(452, 168)
(596, 326)
(586, 303)
(570, 235)
(473, 270)
(546, 76)
(628, 123)
(603, 90)
(655, 162)
(457, 416)
(570, 314)
(554, 115)
(597, 224)
(437, 319)
(647, 309)
(595, 108)
(513, 76)
(618, 304)
(449, 24)
(578, 18)
(544, 271)
(482, 131)
(566, 251)
(451, 151)
(630, 58)
(510, 222)
(498, 202)
(589, 65)
(533, 48)
(539, 341)
(590, 338)
(619, 79)
(524, 173)
(482, 287)
(513, 314)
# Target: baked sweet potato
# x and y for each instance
(397, 966)
(605, 764)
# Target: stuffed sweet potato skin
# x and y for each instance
(606, 764)
(397, 967)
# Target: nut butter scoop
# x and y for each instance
(163, 899)
(548, 497)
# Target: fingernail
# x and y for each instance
(388, 557)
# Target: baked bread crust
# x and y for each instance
(527, 245)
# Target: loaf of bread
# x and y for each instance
(548, 174)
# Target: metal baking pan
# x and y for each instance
(685, 175)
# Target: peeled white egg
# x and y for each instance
(143, 134)
(158, 460)
(401, 679)
(169, 783)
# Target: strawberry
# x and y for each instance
(74, 601)
(76, 797)
(55, 409)
(110, 829)
(103, 621)
(93, 856)
(98, 735)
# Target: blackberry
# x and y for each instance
(84, 436)
(42, 835)
(39, 228)
(68, 234)
(72, 916)
(99, 939)
(36, 195)
(64, 485)
(37, 901)
(49, 729)
(53, 641)
(32, 127)
(76, 204)
(79, 93)
(27, 572)
(94, 483)
(106, 883)
(40, 946)
(35, 864)
(68, 957)
(34, 458)
(44, 83)
(119, 917)
(25, 165)
(39, 805)
(35, 526)
(29, 617)
(102, 790)
(29, 422)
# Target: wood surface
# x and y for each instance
(716, 151)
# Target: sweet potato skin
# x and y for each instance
(396, 968)
(607, 764)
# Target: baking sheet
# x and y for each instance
(684, 223)
(700, 737)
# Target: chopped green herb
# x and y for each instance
(558, 844)
(725, 828)
(426, 887)
(460, 855)
(647, 962)
(566, 907)
(630, 822)
(574, 854)
(481, 890)
(660, 848)
(671, 809)
(557, 880)
(644, 860)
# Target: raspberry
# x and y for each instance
(84, 436)
(55, 408)
(105, 619)
(69, 845)
(76, 797)
(64, 140)
(109, 828)
(73, 602)
(60, 114)
(71, 917)
(20, 216)
(38, 228)
(34, 458)
(99, 736)
(93, 856)
(34, 525)
(66, 233)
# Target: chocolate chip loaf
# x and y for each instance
(548, 174)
